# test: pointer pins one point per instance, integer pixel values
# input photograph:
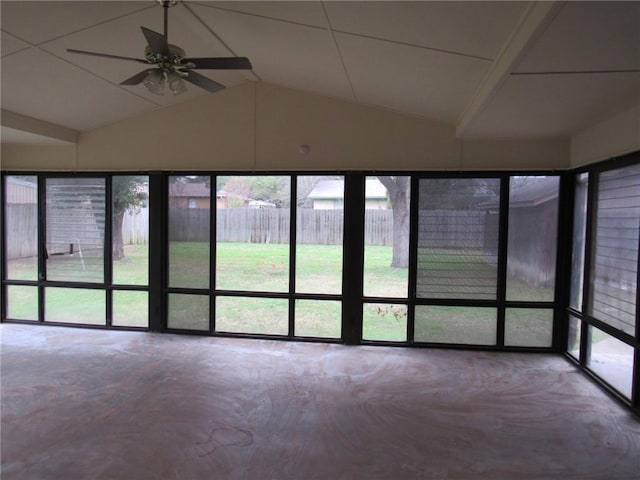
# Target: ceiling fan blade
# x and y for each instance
(221, 63)
(106, 55)
(137, 78)
(157, 42)
(203, 82)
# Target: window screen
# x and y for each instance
(615, 255)
(189, 231)
(533, 235)
(75, 229)
(386, 236)
(319, 234)
(579, 234)
(21, 227)
(458, 238)
(252, 233)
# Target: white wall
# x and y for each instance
(617, 135)
(38, 157)
(260, 127)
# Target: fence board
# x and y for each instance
(21, 230)
(135, 227)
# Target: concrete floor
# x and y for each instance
(92, 404)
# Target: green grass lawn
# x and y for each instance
(265, 268)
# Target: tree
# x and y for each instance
(457, 193)
(306, 184)
(398, 191)
(127, 196)
(444, 193)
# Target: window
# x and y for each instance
(574, 337)
(130, 249)
(21, 227)
(319, 234)
(615, 253)
(457, 259)
(188, 312)
(252, 233)
(386, 250)
(612, 360)
(319, 255)
(457, 325)
(89, 306)
(189, 232)
(384, 322)
(429, 263)
(130, 231)
(602, 337)
(75, 238)
(21, 243)
(458, 238)
(22, 302)
(528, 327)
(265, 316)
(533, 227)
(579, 235)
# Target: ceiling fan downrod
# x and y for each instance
(166, 4)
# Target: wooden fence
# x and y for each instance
(22, 229)
(439, 229)
(532, 244)
(135, 227)
(271, 225)
(452, 229)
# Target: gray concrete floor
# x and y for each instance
(94, 404)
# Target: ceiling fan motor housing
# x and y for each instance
(167, 3)
(176, 54)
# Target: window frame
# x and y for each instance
(352, 298)
(588, 321)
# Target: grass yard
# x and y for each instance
(265, 268)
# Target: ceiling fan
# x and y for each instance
(170, 65)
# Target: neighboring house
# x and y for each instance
(533, 223)
(226, 199)
(189, 195)
(261, 204)
(329, 195)
(21, 191)
(198, 195)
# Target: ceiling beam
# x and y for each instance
(533, 22)
(32, 125)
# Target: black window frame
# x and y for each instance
(352, 298)
(587, 320)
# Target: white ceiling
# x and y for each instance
(460, 63)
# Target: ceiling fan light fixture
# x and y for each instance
(176, 84)
(155, 82)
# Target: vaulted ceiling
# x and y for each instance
(490, 69)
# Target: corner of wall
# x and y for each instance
(515, 154)
(614, 136)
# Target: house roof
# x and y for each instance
(22, 182)
(334, 189)
(189, 190)
(536, 191)
(225, 194)
(532, 194)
